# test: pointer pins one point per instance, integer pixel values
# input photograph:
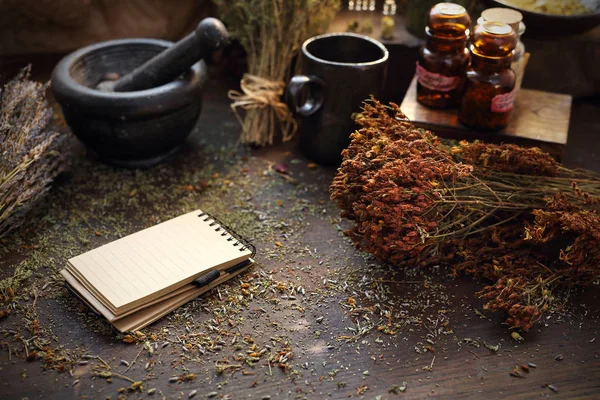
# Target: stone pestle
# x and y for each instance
(210, 35)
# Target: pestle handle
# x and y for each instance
(210, 35)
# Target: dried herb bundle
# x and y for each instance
(30, 151)
(493, 210)
(272, 32)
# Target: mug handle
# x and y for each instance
(313, 101)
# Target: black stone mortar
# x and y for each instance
(130, 129)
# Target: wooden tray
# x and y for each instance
(538, 118)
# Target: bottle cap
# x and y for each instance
(506, 15)
(448, 19)
(493, 39)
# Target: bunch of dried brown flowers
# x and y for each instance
(31, 154)
(496, 211)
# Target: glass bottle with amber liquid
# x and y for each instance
(444, 58)
(489, 93)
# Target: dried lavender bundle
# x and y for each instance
(415, 198)
(30, 152)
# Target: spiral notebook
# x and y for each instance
(140, 278)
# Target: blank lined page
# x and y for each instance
(147, 263)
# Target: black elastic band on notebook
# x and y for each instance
(207, 278)
(239, 266)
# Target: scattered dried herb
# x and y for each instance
(516, 337)
(516, 373)
(398, 389)
(492, 347)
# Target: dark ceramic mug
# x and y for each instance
(341, 71)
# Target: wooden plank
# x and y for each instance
(537, 116)
(323, 367)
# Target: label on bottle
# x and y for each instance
(435, 81)
(502, 103)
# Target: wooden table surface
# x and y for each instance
(325, 318)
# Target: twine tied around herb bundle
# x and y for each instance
(261, 99)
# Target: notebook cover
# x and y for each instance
(146, 315)
(136, 270)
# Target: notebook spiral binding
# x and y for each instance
(233, 235)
